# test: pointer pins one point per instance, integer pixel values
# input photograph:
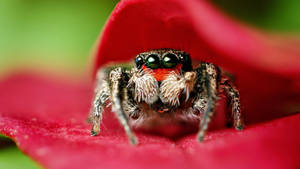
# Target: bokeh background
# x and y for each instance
(58, 35)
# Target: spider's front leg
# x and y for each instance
(111, 88)
(102, 94)
(207, 94)
(119, 80)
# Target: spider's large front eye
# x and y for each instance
(152, 61)
(170, 60)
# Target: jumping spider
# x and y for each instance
(162, 88)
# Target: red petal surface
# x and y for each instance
(267, 68)
(46, 119)
(46, 116)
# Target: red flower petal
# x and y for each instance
(46, 119)
(45, 116)
(267, 70)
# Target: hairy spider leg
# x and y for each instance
(102, 94)
(234, 96)
(110, 88)
(209, 74)
(117, 80)
(129, 104)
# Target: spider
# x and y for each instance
(162, 88)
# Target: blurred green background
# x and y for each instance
(56, 34)
(59, 35)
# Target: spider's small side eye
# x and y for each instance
(186, 62)
(139, 61)
(152, 61)
(170, 60)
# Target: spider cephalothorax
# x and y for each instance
(162, 88)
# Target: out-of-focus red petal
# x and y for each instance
(46, 119)
(267, 68)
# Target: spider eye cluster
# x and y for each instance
(157, 59)
(153, 61)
